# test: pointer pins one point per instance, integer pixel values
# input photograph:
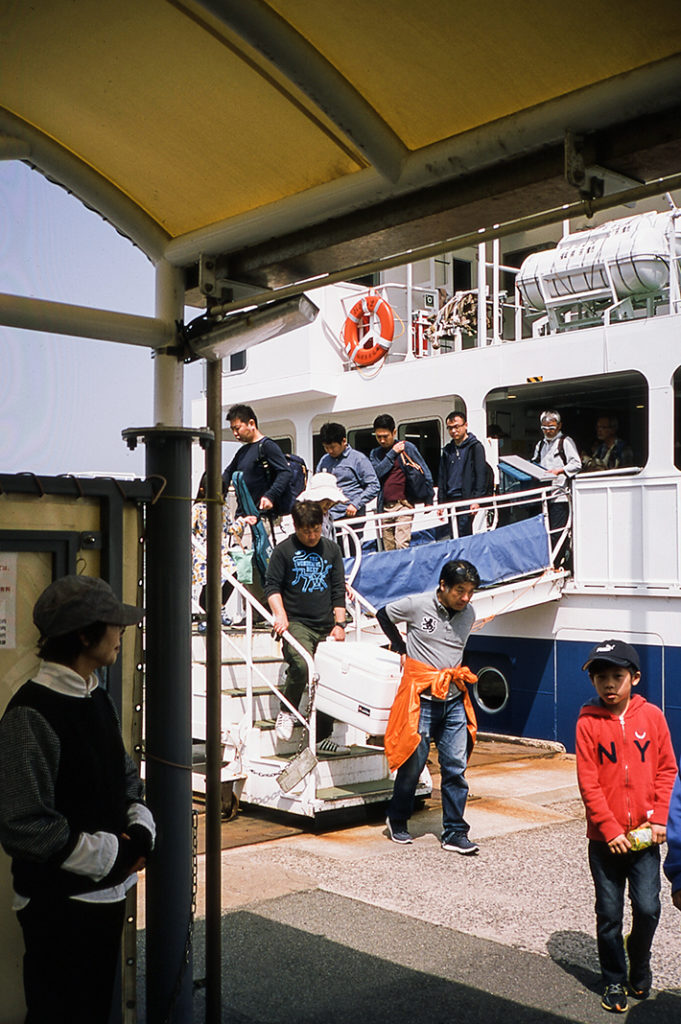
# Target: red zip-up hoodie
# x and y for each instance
(625, 767)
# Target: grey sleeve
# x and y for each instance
(400, 610)
(30, 826)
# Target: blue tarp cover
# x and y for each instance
(503, 554)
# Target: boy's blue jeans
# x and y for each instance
(610, 872)
(445, 723)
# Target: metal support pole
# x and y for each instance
(168, 370)
(168, 739)
(214, 518)
(482, 295)
(168, 747)
(496, 299)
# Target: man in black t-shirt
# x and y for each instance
(305, 589)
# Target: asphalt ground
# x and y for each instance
(345, 926)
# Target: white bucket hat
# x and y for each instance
(322, 486)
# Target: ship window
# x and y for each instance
(236, 362)
(461, 275)
(491, 690)
(362, 439)
(285, 443)
(425, 434)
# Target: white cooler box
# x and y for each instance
(357, 683)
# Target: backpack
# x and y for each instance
(417, 486)
(297, 482)
(560, 450)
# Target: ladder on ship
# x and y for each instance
(254, 757)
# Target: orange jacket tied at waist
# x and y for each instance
(402, 733)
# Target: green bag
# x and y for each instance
(243, 559)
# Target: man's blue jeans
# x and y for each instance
(610, 872)
(445, 723)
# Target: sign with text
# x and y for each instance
(8, 600)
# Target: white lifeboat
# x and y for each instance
(623, 258)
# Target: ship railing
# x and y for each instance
(489, 513)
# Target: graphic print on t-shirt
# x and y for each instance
(310, 571)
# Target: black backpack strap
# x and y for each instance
(262, 459)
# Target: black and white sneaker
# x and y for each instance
(460, 844)
(397, 831)
(330, 747)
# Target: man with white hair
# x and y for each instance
(558, 455)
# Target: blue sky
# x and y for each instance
(64, 401)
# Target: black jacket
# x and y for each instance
(463, 470)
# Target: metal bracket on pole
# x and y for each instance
(577, 172)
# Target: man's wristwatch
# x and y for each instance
(341, 625)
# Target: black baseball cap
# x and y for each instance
(615, 652)
(73, 602)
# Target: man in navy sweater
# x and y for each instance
(260, 459)
(463, 471)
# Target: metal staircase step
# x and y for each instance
(380, 789)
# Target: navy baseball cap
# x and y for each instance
(615, 652)
(73, 602)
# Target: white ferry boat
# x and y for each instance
(584, 318)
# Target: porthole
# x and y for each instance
(491, 690)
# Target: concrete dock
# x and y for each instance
(345, 926)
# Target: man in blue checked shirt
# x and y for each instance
(353, 471)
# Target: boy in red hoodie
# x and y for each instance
(625, 769)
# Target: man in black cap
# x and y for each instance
(72, 816)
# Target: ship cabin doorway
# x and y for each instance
(513, 412)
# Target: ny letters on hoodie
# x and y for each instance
(625, 767)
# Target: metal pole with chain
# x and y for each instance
(214, 531)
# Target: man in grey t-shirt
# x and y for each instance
(438, 626)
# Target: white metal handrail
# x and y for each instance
(251, 605)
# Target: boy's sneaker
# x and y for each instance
(460, 844)
(284, 726)
(397, 831)
(329, 746)
(639, 982)
(614, 999)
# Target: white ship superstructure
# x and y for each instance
(587, 321)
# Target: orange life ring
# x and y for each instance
(364, 347)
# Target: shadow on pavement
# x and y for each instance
(577, 954)
(278, 974)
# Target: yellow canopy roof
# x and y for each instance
(290, 138)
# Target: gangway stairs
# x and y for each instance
(254, 757)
